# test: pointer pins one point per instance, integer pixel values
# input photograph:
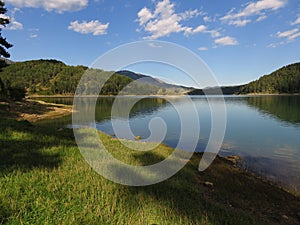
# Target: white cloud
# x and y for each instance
(297, 21)
(144, 15)
(13, 24)
(49, 5)
(190, 14)
(207, 19)
(95, 27)
(253, 8)
(272, 45)
(214, 33)
(290, 35)
(33, 36)
(199, 29)
(164, 21)
(287, 33)
(226, 41)
(294, 36)
(202, 49)
(261, 18)
(239, 23)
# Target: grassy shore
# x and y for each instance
(45, 180)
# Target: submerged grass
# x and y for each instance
(45, 180)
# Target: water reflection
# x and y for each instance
(284, 108)
(145, 106)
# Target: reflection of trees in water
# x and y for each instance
(104, 105)
(285, 108)
(141, 107)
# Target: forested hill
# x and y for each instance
(51, 77)
(284, 80)
(41, 76)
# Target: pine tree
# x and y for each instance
(4, 20)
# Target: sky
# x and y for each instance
(238, 40)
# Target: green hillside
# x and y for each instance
(51, 77)
(284, 80)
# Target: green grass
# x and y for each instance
(45, 180)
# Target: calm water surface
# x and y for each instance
(263, 130)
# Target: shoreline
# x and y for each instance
(34, 110)
(168, 96)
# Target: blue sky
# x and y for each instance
(239, 40)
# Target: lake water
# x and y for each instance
(263, 130)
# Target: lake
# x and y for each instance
(263, 130)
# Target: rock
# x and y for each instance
(233, 159)
(285, 217)
(208, 184)
(138, 138)
(60, 129)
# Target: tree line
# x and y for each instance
(284, 80)
(52, 77)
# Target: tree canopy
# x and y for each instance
(4, 21)
(284, 80)
(52, 77)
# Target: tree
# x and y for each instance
(4, 20)
(2, 88)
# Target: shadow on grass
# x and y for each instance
(25, 146)
(4, 214)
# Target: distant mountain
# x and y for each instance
(285, 80)
(149, 80)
